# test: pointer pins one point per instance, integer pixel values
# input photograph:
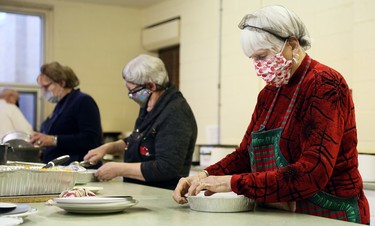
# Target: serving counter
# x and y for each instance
(156, 207)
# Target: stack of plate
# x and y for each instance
(16, 210)
(95, 204)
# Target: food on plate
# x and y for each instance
(77, 192)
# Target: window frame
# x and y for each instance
(46, 13)
(31, 89)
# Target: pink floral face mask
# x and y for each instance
(276, 70)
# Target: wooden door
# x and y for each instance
(171, 58)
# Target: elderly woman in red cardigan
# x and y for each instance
(299, 151)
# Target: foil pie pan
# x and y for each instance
(18, 180)
(221, 202)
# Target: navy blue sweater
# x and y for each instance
(76, 122)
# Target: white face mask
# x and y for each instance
(275, 70)
(48, 95)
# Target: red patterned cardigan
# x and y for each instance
(319, 141)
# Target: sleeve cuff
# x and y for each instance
(233, 183)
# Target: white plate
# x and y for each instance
(90, 200)
(20, 208)
(6, 207)
(6, 220)
(31, 211)
(96, 208)
(93, 189)
(25, 214)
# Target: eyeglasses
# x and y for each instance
(135, 90)
(242, 25)
(45, 87)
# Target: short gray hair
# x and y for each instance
(269, 27)
(144, 69)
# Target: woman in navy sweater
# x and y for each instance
(74, 127)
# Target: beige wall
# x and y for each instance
(342, 32)
(97, 40)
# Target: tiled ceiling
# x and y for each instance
(126, 3)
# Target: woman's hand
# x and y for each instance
(42, 140)
(181, 189)
(97, 154)
(109, 170)
(211, 184)
(179, 193)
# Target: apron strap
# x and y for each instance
(292, 101)
(263, 126)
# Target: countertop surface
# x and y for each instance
(156, 207)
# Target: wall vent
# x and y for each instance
(161, 35)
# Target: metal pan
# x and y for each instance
(17, 139)
(23, 150)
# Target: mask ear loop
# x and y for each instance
(295, 57)
(282, 48)
(295, 54)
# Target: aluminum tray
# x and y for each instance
(18, 180)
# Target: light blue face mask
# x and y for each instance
(48, 95)
(140, 96)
